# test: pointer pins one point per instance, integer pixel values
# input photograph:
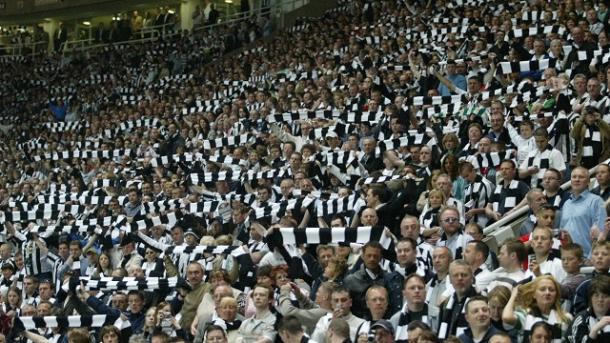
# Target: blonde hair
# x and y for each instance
(227, 301)
(527, 301)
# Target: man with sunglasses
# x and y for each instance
(452, 236)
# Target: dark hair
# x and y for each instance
(291, 324)
(541, 324)
(161, 335)
(263, 271)
(418, 324)
(541, 132)
(516, 246)
(512, 163)
(108, 329)
(600, 284)
(476, 298)
(341, 289)
(481, 247)
(372, 244)
(409, 240)
(414, 276)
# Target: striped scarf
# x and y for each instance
(406, 317)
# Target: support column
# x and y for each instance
(187, 8)
(50, 27)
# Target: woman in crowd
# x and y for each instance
(538, 300)
(593, 324)
(166, 321)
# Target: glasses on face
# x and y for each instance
(450, 220)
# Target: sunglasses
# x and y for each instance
(450, 220)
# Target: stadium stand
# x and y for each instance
(391, 171)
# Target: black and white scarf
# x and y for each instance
(402, 334)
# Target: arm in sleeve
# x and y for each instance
(98, 306)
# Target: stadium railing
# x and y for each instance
(508, 227)
(152, 33)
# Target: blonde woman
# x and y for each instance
(538, 300)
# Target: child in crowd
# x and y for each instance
(600, 259)
(571, 260)
(543, 260)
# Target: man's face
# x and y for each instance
(136, 303)
(450, 222)
(603, 175)
(194, 274)
(371, 257)
(405, 253)
(63, 250)
(497, 118)
(504, 258)
(415, 291)
(444, 184)
(478, 315)
(580, 180)
(75, 251)
(409, 228)
(546, 218)
(178, 235)
(227, 311)
(461, 278)
(474, 232)
(341, 301)
(377, 302)
(44, 290)
(550, 181)
(593, 87)
(538, 199)
(541, 142)
(324, 256)
(119, 301)
(440, 259)
(470, 254)
(216, 336)
(369, 217)
(30, 286)
(507, 170)
(43, 310)
(260, 297)
(383, 336)
(541, 241)
(133, 197)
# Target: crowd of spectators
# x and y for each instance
(329, 184)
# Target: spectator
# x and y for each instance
(590, 325)
(475, 255)
(538, 301)
(583, 214)
(453, 236)
(451, 317)
(439, 283)
(260, 326)
(512, 256)
(370, 273)
(290, 330)
(479, 321)
(602, 175)
(600, 258)
(539, 160)
(192, 298)
(341, 303)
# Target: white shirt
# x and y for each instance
(319, 334)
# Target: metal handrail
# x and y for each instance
(162, 31)
(18, 48)
(523, 211)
